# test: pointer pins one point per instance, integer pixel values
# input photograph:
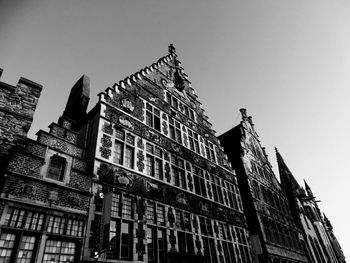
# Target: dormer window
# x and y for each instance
(56, 168)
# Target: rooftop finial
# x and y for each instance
(171, 49)
(243, 113)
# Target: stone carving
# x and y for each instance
(190, 184)
(167, 172)
(125, 122)
(171, 217)
(107, 128)
(168, 84)
(106, 144)
(182, 199)
(165, 127)
(127, 105)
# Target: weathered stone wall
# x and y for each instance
(17, 107)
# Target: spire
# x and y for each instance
(308, 190)
(287, 178)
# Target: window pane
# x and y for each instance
(118, 153)
(26, 248)
(127, 207)
(129, 157)
(6, 245)
(120, 134)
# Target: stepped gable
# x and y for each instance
(151, 83)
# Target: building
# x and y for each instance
(273, 233)
(139, 178)
(46, 184)
(322, 245)
(142, 177)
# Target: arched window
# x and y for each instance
(56, 168)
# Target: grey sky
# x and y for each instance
(287, 62)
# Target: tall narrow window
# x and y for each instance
(56, 168)
(129, 157)
(175, 131)
(193, 139)
(209, 148)
(154, 162)
(152, 117)
(124, 149)
(118, 153)
(178, 168)
(199, 182)
(126, 241)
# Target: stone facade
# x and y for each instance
(167, 192)
(141, 177)
(273, 232)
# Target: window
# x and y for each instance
(154, 163)
(121, 226)
(184, 234)
(59, 251)
(178, 168)
(174, 130)
(210, 250)
(23, 251)
(26, 248)
(216, 186)
(174, 102)
(24, 219)
(232, 195)
(209, 149)
(7, 242)
(156, 237)
(152, 117)
(64, 226)
(124, 149)
(56, 168)
(199, 182)
(156, 244)
(193, 139)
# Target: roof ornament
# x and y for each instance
(171, 49)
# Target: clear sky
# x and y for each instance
(287, 62)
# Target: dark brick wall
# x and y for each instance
(36, 148)
(41, 191)
(21, 163)
(80, 181)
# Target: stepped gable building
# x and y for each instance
(273, 233)
(47, 187)
(139, 178)
(162, 188)
(322, 245)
